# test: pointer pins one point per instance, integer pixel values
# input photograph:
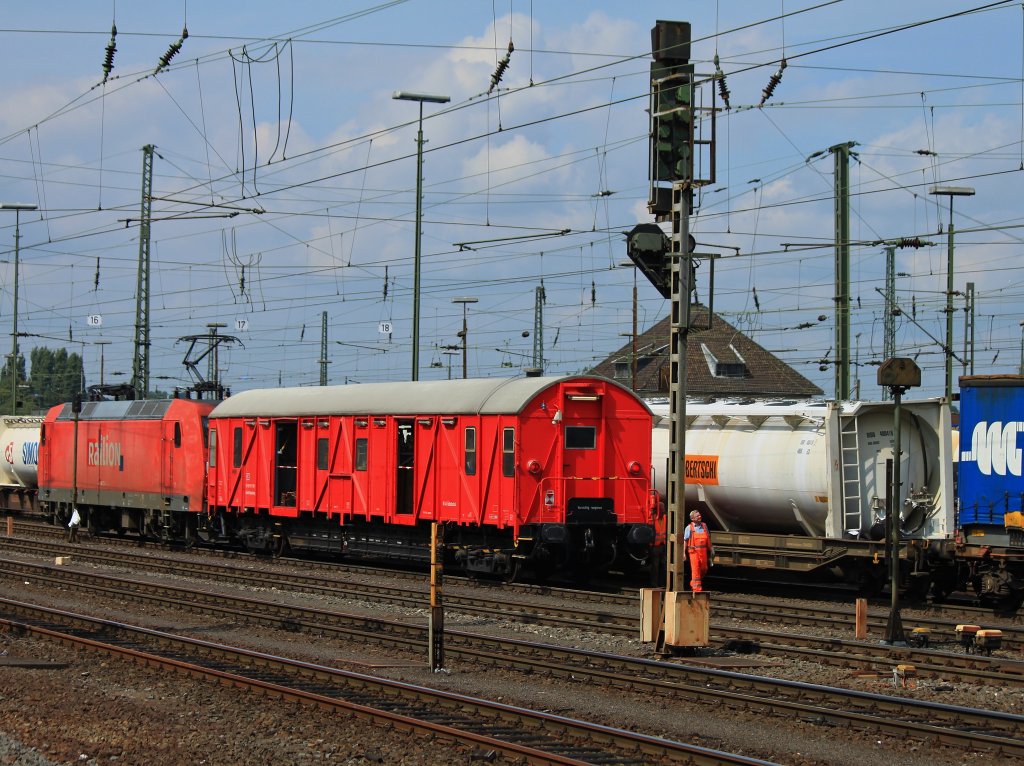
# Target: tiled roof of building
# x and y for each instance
(721, 361)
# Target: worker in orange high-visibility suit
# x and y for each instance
(697, 545)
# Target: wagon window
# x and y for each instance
(580, 437)
(508, 452)
(361, 454)
(237, 459)
(321, 454)
(213, 448)
(471, 451)
(177, 434)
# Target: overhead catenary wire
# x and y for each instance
(609, 227)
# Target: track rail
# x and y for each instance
(946, 724)
(488, 603)
(941, 618)
(535, 737)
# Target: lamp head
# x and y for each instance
(404, 95)
(952, 191)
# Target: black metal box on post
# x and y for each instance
(671, 114)
(898, 374)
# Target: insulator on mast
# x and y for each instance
(172, 51)
(773, 82)
(108, 59)
(723, 89)
(500, 69)
(914, 242)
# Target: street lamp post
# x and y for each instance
(17, 207)
(950, 191)
(465, 330)
(402, 95)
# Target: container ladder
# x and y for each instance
(849, 435)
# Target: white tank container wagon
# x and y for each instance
(19, 462)
(800, 487)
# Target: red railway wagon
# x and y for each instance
(140, 465)
(550, 472)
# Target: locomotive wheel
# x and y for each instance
(944, 582)
(279, 547)
(918, 587)
(940, 593)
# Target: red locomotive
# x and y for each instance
(135, 466)
(546, 473)
(551, 473)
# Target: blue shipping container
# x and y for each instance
(991, 431)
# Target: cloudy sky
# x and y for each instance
(284, 180)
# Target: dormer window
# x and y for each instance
(730, 370)
(735, 367)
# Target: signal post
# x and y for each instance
(898, 374)
(674, 618)
(435, 621)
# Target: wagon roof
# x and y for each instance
(485, 396)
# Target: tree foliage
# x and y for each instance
(6, 407)
(56, 376)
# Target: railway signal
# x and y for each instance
(898, 374)
(671, 270)
(671, 111)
